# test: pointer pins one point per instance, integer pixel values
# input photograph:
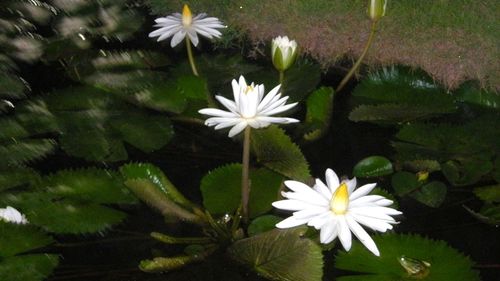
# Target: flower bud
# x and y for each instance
(284, 52)
(376, 9)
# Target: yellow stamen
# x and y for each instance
(340, 200)
(422, 175)
(187, 17)
(248, 89)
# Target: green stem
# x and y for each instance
(210, 99)
(245, 185)
(360, 59)
(191, 57)
(282, 80)
(180, 240)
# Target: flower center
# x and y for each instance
(248, 89)
(340, 200)
(187, 17)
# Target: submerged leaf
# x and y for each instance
(263, 224)
(35, 267)
(445, 263)
(281, 255)
(275, 150)
(488, 193)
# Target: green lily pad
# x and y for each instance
(431, 261)
(281, 255)
(373, 166)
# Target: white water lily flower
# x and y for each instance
(178, 26)
(337, 209)
(10, 214)
(284, 52)
(249, 108)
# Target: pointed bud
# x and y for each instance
(284, 52)
(376, 9)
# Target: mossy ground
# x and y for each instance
(453, 40)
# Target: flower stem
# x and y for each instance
(360, 59)
(282, 79)
(190, 56)
(210, 99)
(245, 184)
(180, 240)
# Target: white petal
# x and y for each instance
(269, 97)
(382, 213)
(368, 200)
(332, 180)
(351, 184)
(216, 112)
(290, 222)
(384, 202)
(318, 221)
(276, 120)
(311, 198)
(178, 38)
(193, 37)
(362, 236)
(305, 190)
(229, 104)
(362, 191)
(292, 205)
(344, 233)
(328, 232)
(279, 109)
(322, 189)
(375, 224)
(238, 128)
(309, 213)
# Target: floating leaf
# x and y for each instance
(373, 166)
(393, 113)
(221, 190)
(402, 85)
(16, 239)
(34, 267)
(466, 172)
(16, 152)
(90, 185)
(126, 60)
(431, 194)
(404, 183)
(471, 93)
(282, 255)
(64, 216)
(164, 97)
(445, 262)
(319, 112)
(275, 150)
(488, 193)
(12, 86)
(14, 177)
(156, 178)
(300, 80)
(263, 224)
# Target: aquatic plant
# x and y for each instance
(118, 109)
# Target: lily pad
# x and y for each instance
(373, 166)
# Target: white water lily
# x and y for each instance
(12, 215)
(284, 52)
(249, 108)
(178, 25)
(337, 209)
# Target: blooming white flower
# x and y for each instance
(284, 52)
(10, 214)
(249, 108)
(337, 209)
(178, 26)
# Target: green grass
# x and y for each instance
(453, 40)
